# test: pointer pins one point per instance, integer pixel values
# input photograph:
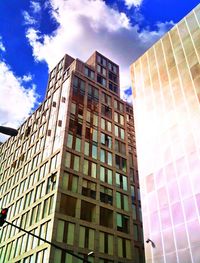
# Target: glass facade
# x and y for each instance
(68, 176)
(166, 87)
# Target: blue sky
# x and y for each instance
(35, 35)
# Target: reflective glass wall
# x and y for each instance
(166, 88)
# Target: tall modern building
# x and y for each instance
(70, 176)
(166, 87)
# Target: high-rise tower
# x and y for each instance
(70, 175)
(166, 87)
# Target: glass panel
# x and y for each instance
(86, 148)
(69, 140)
(102, 156)
(60, 231)
(82, 237)
(118, 200)
(91, 239)
(94, 135)
(70, 234)
(119, 247)
(76, 163)
(78, 144)
(102, 174)
(94, 168)
(101, 242)
(125, 183)
(103, 124)
(68, 159)
(85, 167)
(110, 244)
(74, 184)
(109, 158)
(109, 126)
(109, 174)
(94, 151)
(126, 203)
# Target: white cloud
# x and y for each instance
(27, 78)
(131, 3)
(16, 102)
(85, 26)
(35, 6)
(2, 48)
(28, 19)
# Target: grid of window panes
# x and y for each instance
(28, 179)
(71, 156)
(107, 74)
(95, 181)
(166, 86)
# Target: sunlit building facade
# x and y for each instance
(70, 176)
(166, 87)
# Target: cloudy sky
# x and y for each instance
(35, 35)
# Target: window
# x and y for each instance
(101, 80)
(106, 157)
(106, 243)
(92, 118)
(119, 132)
(118, 118)
(70, 182)
(86, 237)
(112, 67)
(121, 181)
(93, 93)
(101, 70)
(135, 232)
(90, 149)
(133, 194)
(106, 125)
(120, 147)
(106, 217)
(89, 168)
(89, 189)
(68, 205)
(72, 161)
(91, 134)
(65, 232)
(74, 142)
(113, 87)
(122, 223)
(122, 201)
(48, 206)
(106, 111)
(124, 247)
(88, 211)
(101, 60)
(134, 211)
(105, 175)
(106, 99)
(73, 108)
(51, 183)
(106, 195)
(112, 77)
(75, 126)
(106, 140)
(78, 86)
(120, 163)
(89, 73)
